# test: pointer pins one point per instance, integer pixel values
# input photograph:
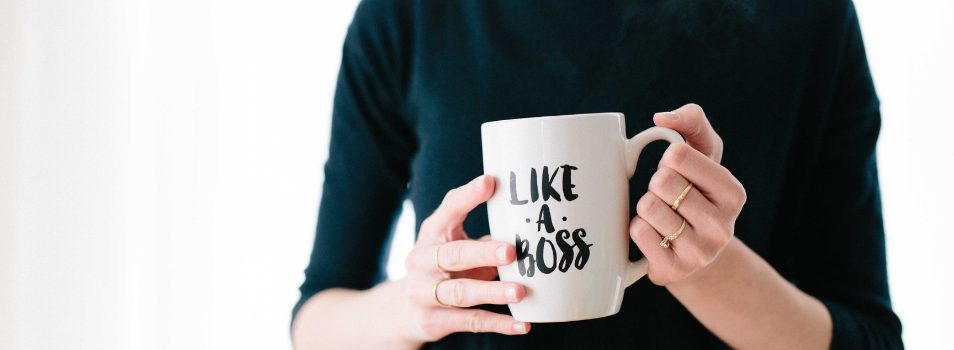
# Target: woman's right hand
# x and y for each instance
(447, 272)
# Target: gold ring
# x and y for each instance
(437, 259)
(668, 239)
(434, 293)
(685, 192)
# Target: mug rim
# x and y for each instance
(504, 122)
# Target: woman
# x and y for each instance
(786, 91)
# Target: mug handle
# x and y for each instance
(634, 146)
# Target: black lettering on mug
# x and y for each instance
(570, 248)
(568, 182)
(513, 191)
(541, 260)
(567, 249)
(584, 254)
(545, 220)
(547, 185)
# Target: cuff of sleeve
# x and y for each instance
(852, 329)
(842, 332)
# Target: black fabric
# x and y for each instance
(785, 83)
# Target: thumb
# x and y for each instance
(690, 121)
(445, 224)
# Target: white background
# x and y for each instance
(160, 167)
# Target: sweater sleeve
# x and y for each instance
(840, 236)
(369, 156)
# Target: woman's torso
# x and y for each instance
(758, 70)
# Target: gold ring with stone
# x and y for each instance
(668, 239)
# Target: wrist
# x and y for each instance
(704, 277)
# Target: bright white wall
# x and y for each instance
(911, 49)
(160, 166)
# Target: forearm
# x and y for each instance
(747, 304)
(344, 318)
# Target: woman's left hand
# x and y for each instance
(709, 208)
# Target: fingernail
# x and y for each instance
(512, 293)
(670, 115)
(520, 327)
(502, 254)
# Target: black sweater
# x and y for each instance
(785, 83)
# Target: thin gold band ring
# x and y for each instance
(434, 293)
(681, 197)
(437, 260)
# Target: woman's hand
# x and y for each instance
(445, 267)
(709, 208)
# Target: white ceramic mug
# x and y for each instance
(562, 199)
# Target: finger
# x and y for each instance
(668, 185)
(462, 292)
(467, 254)
(460, 201)
(714, 181)
(439, 322)
(690, 249)
(480, 273)
(647, 239)
(696, 208)
(690, 121)
(459, 255)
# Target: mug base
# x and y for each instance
(564, 319)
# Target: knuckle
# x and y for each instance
(675, 155)
(474, 322)
(452, 254)
(449, 196)
(640, 229)
(459, 292)
(742, 195)
(662, 180)
(429, 325)
(427, 225)
(736, 202)
(695, 109)
(646, 205)
(634, 229)
(737, 195)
